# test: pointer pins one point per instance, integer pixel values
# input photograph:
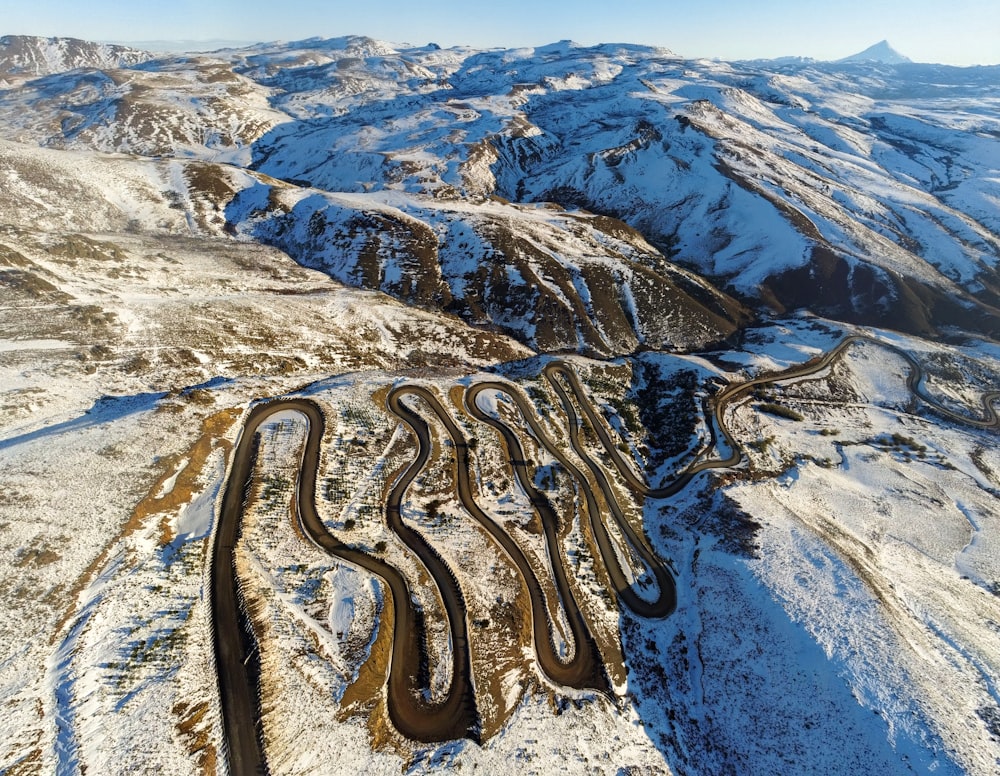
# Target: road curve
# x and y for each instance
(585, 670)
(558, 370)
(457, 712)
(237, 660)
(235, 650)
(717, 406)
(666, 601)
(914, 379)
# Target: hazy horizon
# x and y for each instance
(966, 32)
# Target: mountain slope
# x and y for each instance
(880, 52)
(23, 56)
(557, 281)
(859, 193)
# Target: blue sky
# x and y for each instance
(961, 32)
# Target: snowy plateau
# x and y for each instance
(598, 411)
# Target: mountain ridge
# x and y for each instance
(27, 56)
(753, 177)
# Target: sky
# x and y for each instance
(957, 32)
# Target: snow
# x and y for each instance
(831, 648)
(30, 345)
(846, 622)
(197, 517)
(896, 567)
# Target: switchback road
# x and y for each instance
(236, 658)
(667, 594)
(585, 670)
(454, 716)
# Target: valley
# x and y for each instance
(377, 408)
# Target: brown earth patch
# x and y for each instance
(365, 695)
(29, 765)
(78, 246)
(194, 730)
(213, 427)
(37, 557)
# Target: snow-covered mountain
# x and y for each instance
(880, 52)
(24, 56)
(765, 179)
(185, 235)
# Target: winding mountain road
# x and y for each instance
(585, 670)
(237, 664)
(667, 598)
(455, 716)
(717, 407)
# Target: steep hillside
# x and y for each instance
(785, 183)
(560, 409)
(858, 190)
(25, 56)
(555, 280)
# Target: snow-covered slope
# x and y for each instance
(191, 107)
(125, 361)
(875, 185)
(555, 280)
(24, 56)
(181, 236)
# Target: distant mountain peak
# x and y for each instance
(880, 52)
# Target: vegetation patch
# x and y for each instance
(906, 449)
(762, 445)
(780, 411)
(77, 246)
(194, 730)
(668, 409)
(36, 556)
(187, 483)
(991, 716)
(27, 766)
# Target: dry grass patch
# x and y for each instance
(498, 647)
(78, 246)
(187, 484)
(29, 765)
(365, 694)
(37, 557)
(194, 730)
(213, 427)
